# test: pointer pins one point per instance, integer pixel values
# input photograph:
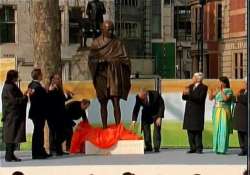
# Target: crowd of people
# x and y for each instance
(46, 104)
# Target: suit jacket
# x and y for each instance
(195, 107)
(240, 121)
(56, 101)
(155, 108)
(38, 101)
(74, 112)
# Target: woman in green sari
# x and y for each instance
(222, 116)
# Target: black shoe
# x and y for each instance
(61, 153)
(199, 151)
(8, 158)
(156, 150)
(12, 159)
(148, 149)
(48, 155)
(242, 153)
(15, 159)
(40, 157)
(191, 151)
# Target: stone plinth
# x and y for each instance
(122, 147)
(79, 66)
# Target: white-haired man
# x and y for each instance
(195, 96)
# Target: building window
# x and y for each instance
(156, 19)
(182, 23)
(167, 2)
(130, 3)
(238, 65)
(7, 24)
(128, 30)
(75, 14)
(219, 21)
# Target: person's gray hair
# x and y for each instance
(198, 76)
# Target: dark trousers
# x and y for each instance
(156, 135)
(56, 136)
(10, 148)
(243, 140)
(69, 134)
(38, 137)
(195, 140)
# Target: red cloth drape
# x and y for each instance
(102, 138)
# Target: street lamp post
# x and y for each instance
(179, 48)
(202, 3)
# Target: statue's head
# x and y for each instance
(107, 29)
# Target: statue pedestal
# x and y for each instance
(122, 147)
(79, 66)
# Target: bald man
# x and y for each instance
(195, 96)
(110, 69)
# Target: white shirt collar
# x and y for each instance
(196, 84)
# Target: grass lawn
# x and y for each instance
(172, 136)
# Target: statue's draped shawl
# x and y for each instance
(110, 68)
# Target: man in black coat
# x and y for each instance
(38, 113)
(74, 111)
(195, 96)
(240, 121)
(152, 112)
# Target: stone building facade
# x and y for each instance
(176, 27)
(224, 38)
(234, 44)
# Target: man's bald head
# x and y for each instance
(107, 28)
(143, 94)
(107, 24)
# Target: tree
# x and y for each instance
(47, 50)
(47, 42)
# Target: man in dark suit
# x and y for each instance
(74, 111)
(195, 95)
(152, 112)
(37, 114)
(240, 122)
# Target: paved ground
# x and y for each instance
(165, 157)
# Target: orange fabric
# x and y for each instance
(102, 138)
